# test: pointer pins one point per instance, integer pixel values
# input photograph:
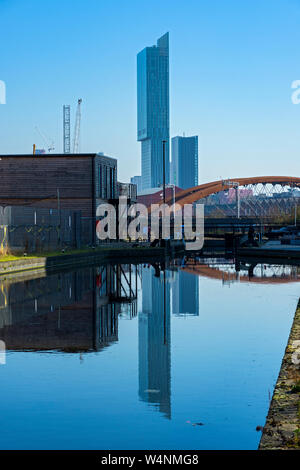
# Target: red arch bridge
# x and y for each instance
(245, 197)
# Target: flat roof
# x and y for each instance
(57, 155)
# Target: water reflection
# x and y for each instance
(69, 312)
(185, 293)
(83, 312)
(79, 311)
(231, 271)
(155, 340)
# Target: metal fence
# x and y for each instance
(29, 229)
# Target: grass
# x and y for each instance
(296, 389)
(19, 256)
(10, 257)
(16, 256)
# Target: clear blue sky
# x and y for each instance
(231, 68)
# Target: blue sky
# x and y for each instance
(232, 64)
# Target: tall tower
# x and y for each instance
(66, 128)
(184, 165)
(153, 111)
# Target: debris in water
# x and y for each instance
(194, 424)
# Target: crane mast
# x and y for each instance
(77, 128)
(66, 128)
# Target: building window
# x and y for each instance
(100, 181)
(111, 179)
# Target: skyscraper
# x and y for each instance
(153, 111)
(184, 164)
(138, 181)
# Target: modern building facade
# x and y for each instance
(184, 164)
(153, 125)
(137, 180)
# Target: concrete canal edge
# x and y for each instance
(26, 264)
(74, 260)
(282, 428)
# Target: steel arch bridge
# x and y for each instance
(254, 196)
(188, 196)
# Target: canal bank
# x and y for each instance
(282, 428)
(59, 261)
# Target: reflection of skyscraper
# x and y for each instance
(155, 342)
(153, 110)
(185, 294)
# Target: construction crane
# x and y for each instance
(66, 128)
(49, 142)
(77, 127)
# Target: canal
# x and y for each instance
(171, 356)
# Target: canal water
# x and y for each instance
(171, 356)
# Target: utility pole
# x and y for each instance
(164, 171)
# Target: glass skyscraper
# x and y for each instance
(138, 181)
(184, 165)
(153, 111)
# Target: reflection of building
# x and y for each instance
(185, 294)
(73, 312)
(155, 343)
(184, 165)
(153, 111)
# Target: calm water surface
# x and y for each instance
(129, 357)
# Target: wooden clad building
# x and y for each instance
(76, 182)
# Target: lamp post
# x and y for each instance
(164, 170)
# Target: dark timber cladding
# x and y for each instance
(81, 180)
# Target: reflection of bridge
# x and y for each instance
(258, 192)
(257, 273)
